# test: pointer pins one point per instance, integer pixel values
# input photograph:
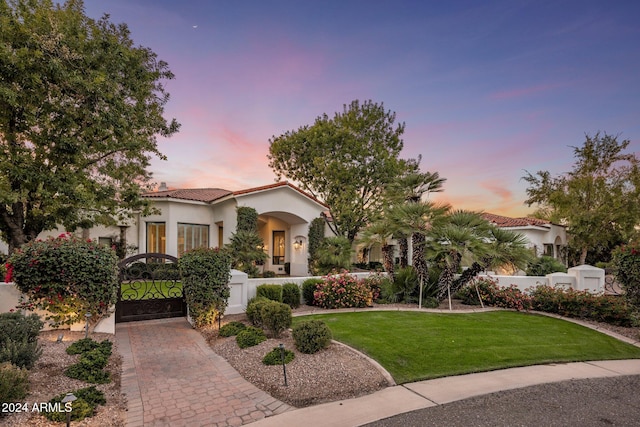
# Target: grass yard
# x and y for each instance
(149, 290)
(416, 346)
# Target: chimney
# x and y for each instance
(163, 186)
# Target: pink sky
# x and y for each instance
(486, 90)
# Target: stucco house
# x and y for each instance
(206, 217)
(545, 237)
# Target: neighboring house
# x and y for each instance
(206, 217)
(544, 237)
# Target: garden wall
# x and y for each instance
(10, 298)
(581, 278)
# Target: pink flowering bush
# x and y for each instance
(342, 291)
(494, 295)
(66, 276)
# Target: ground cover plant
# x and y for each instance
(415, 346)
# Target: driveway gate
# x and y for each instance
(150, 288)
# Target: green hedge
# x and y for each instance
(205, 279)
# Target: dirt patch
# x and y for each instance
(47, 380)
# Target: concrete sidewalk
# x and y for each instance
(409, 397)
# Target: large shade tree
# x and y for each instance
(80, 110)
(346, 160)
(597, 199)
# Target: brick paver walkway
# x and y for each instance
(172, 378)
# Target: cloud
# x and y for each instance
(524, 91)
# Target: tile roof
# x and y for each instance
(277, 185)
(210, 195)
(207, 195)
(504, 221)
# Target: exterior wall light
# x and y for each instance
(297, 244)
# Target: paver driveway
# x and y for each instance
(172, 378)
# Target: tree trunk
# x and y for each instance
(583, 256)
(387, 257)
(403, 242)
(419, 263)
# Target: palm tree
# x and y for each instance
(379, 233)
(504, 248)
(462, 235)
(411, 188)
(416, 219)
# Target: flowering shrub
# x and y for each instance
(581, 304)
(342, 291)
(205, 279)
(626, 262)
(375, 282)
(67, 277)
(494, 295)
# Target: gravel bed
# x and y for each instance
(47, 380)
(335, 373)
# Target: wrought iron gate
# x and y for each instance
(150, 288)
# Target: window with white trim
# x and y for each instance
(192, 236)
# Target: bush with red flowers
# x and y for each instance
(66, 276)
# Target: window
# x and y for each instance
(105, 241)
(548, 249)
(192, 236)
(156, 237)
(278, 247)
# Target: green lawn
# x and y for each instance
(150, 290)
(415, 346)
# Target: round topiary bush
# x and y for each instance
(311, 336)
(276, 317)
(254, 310)
(231, 329)
(250, 336)
(274, 357)
(291, 295)
(308, 289)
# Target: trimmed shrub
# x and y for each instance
(19, 339)
(342, 291)
(272, 292)
(93, 358)
(311, 336)
(84, 406)
(231, 329)
(274, 357)
(276, 317)
(86, 345)
(250, 336)
(66, 276)
(309, 287)
(205, 280)
(254, 310)
(291, 295)
(268, 274)
(14, 383)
